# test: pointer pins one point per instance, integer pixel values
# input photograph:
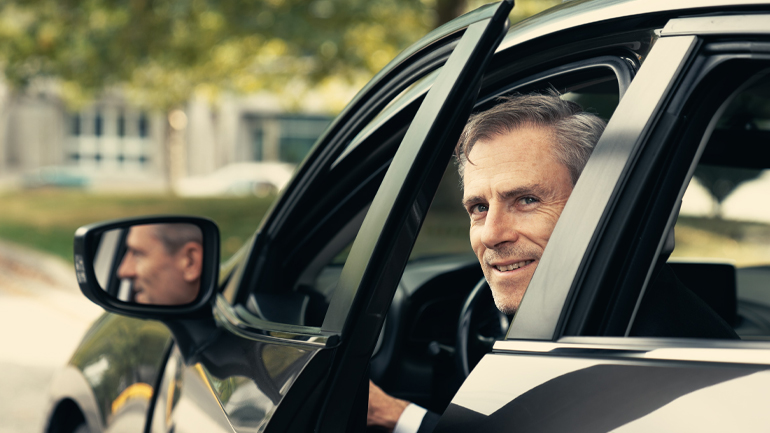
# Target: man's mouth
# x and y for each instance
(513, 266)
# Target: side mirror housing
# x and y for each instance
(157, 267)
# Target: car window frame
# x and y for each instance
(381, 249)
(462, 72)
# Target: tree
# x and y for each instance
(162, 52)
(165, 50)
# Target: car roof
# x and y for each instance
(577, 13)
(569, 15)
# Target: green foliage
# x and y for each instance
(163, 51)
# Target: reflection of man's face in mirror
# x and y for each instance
(163, 262)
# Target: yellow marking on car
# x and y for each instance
(137, 390)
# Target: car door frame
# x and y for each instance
(336, 369)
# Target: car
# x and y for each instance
(238, 179)
(56, 176)
(362, 268)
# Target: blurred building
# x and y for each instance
(113, 140)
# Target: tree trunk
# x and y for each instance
(175, 148)
(8, 98)
(447, 10)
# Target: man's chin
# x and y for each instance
(508, 291)
(506, 307)
(507, 300)
(141, 298)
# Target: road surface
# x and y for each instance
(43, 316)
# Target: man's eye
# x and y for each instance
(479, 208)
(528, 200)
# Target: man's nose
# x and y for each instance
(126, 268)
(499, 227)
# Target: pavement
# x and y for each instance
(43, 317)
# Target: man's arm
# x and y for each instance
(384, 410)
(396, 415)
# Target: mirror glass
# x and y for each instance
(158, 264)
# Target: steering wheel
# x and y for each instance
(480, 324)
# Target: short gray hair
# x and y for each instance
(575, 131)
(175, 235)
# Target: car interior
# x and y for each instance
(722, 231)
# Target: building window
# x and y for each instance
(75, 125)
(107, 139)
(121, 125)
(257, 144)
(98, 124)
(298, 134)
(143, 126)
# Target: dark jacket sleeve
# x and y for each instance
(670, 309)
(429, 422)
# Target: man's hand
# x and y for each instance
(384, 410)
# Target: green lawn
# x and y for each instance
(47, 219)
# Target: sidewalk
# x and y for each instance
(43, 317)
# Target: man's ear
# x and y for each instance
(192, 257)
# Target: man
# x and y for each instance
(163, 262)
(519, 162)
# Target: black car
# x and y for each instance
(362, 269)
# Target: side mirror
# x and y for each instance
(161, 267)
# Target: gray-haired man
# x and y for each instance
(519, 162)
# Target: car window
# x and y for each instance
(306, 266)
(723, 230)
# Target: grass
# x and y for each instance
(743, 243)
(47, 219)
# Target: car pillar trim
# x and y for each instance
(669, 349)
(240, 322)
(730, 24)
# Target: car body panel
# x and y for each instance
(118, 353)
(591, 387)
(70, 385)
(118, 358)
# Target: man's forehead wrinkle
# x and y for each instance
(535, 188)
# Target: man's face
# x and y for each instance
(514, 191)
(157, 277)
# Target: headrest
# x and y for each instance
(670, 244)
(714, 283)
